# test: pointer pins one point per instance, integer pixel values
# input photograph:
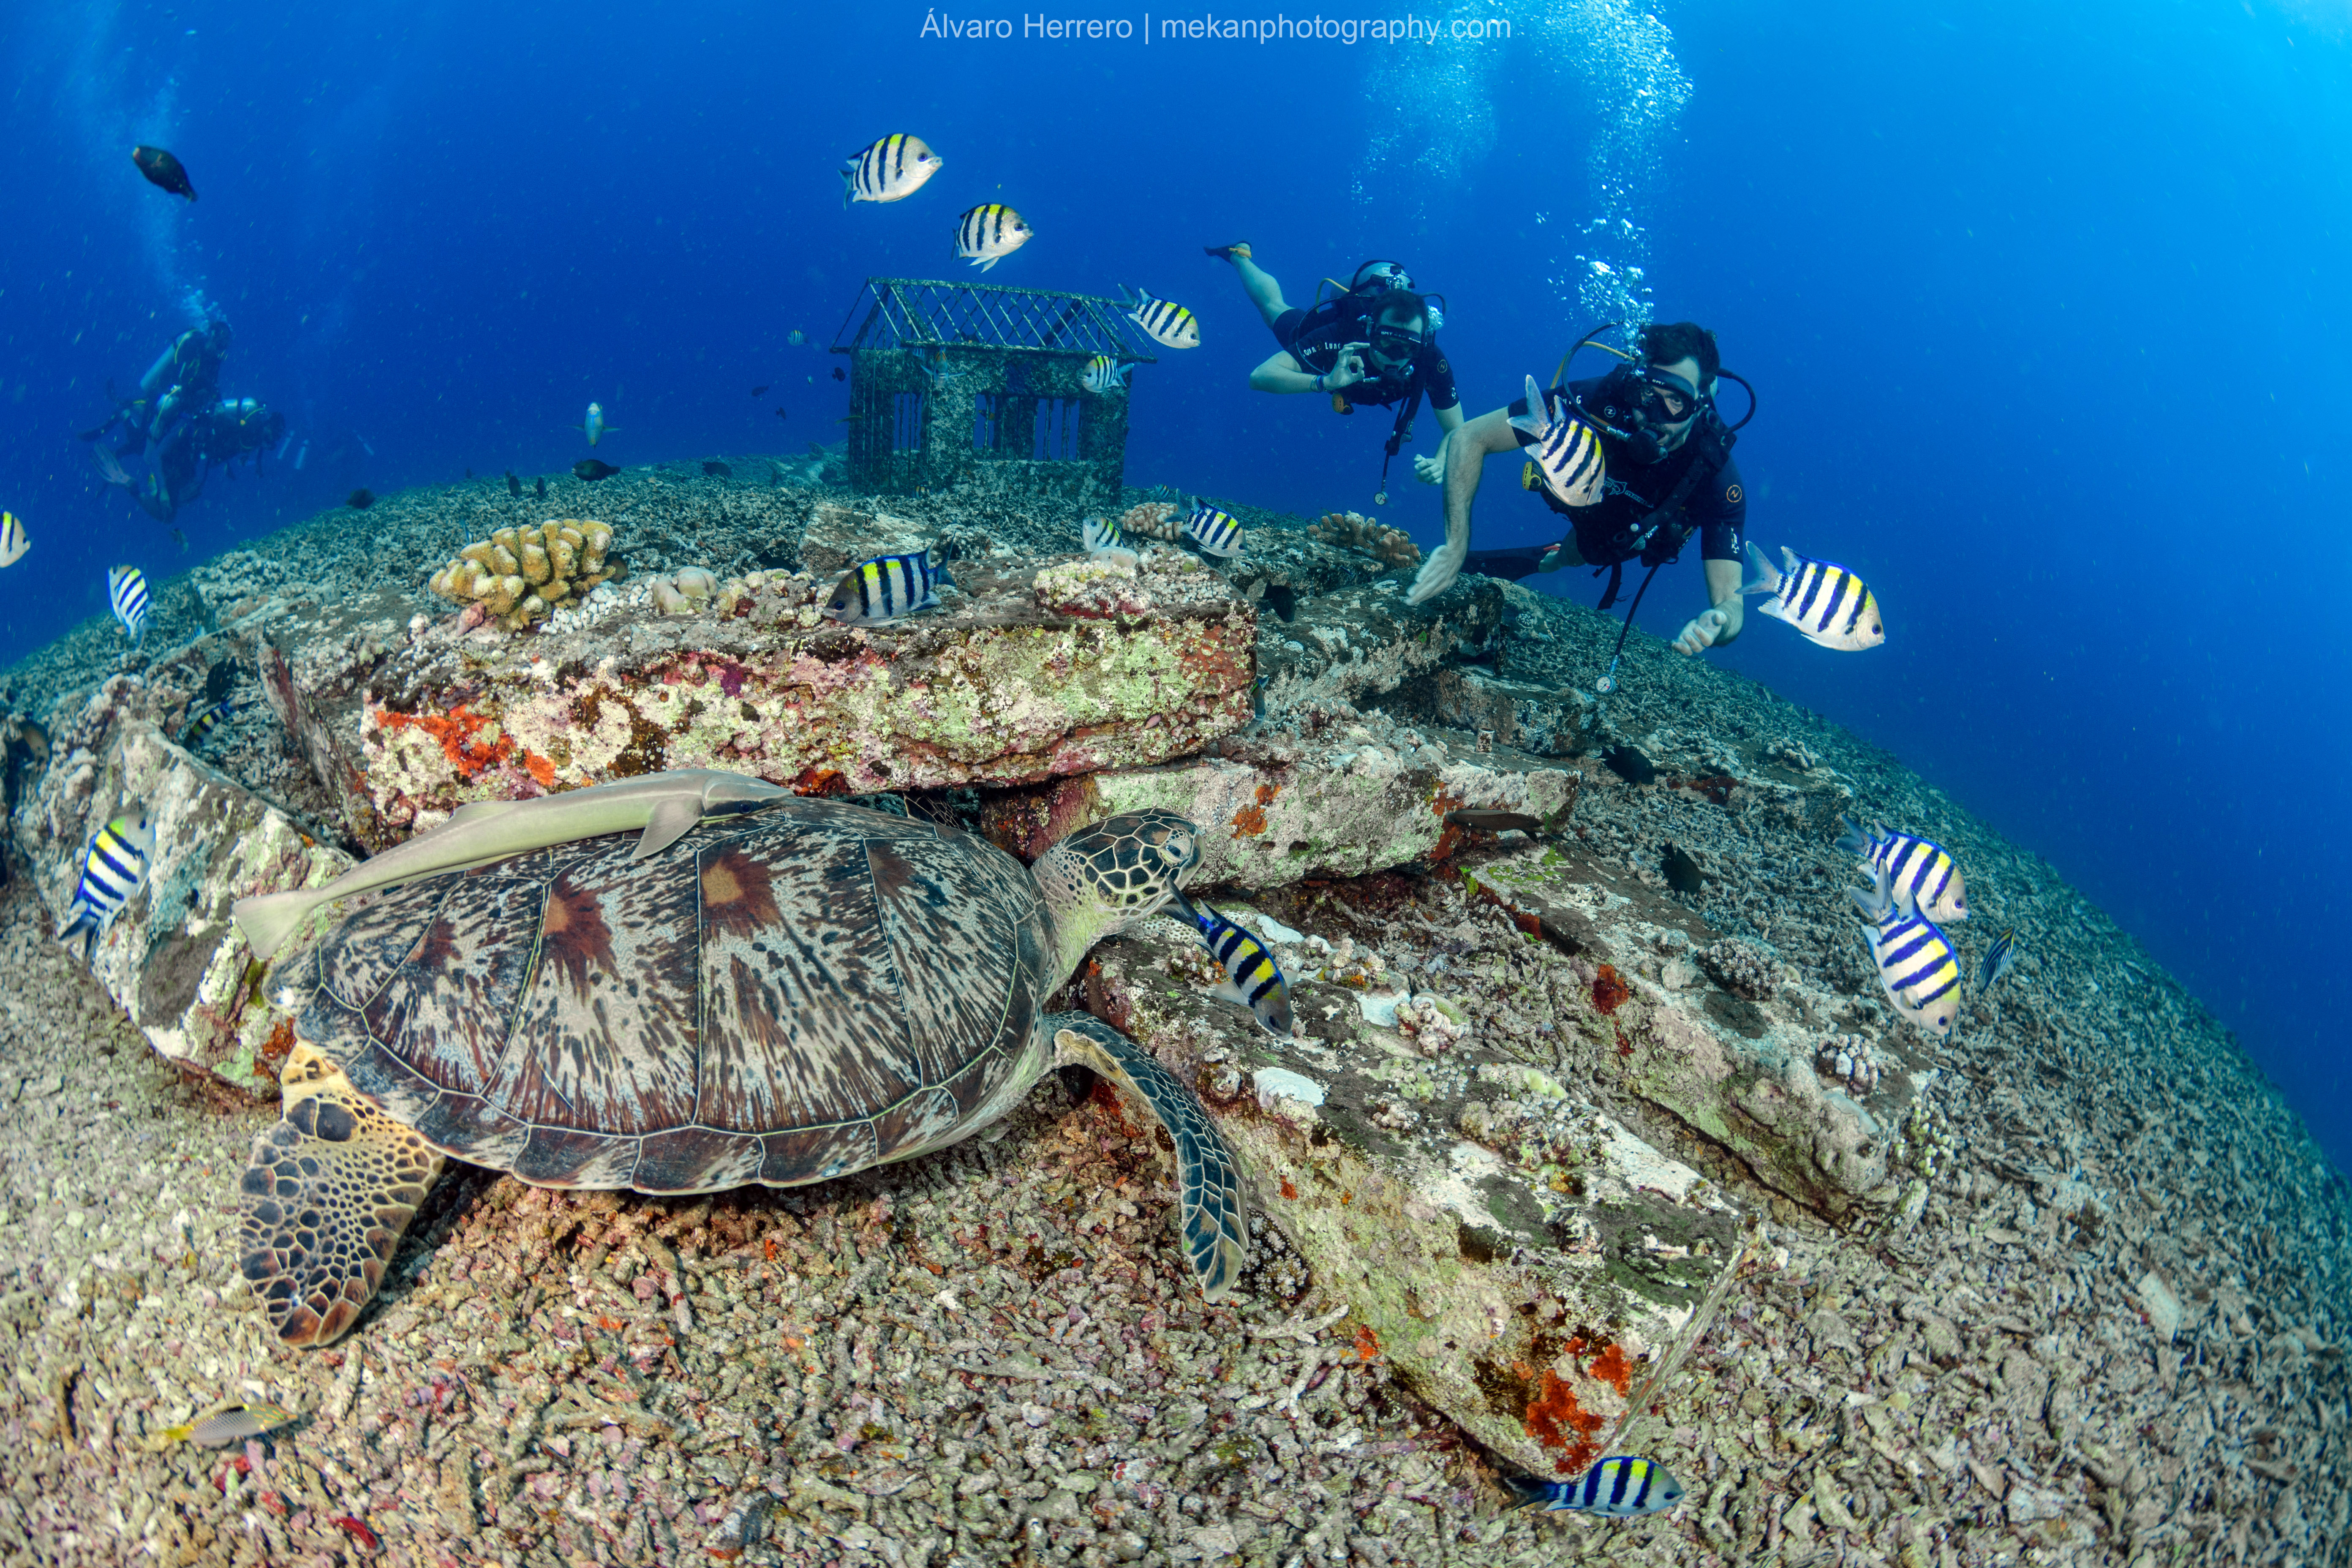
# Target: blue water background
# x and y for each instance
(2045, 305)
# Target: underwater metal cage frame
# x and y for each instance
(978, 385)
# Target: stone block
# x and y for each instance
(1025, 673)
(1524, 1261)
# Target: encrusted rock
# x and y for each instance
(1354, 531)
(1742, 967)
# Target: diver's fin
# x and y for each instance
(672, 820)
(1768, 576)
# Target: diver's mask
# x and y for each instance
(1379, 277)
(1390, 348)
(1649, 408)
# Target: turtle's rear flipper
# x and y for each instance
(1213, 1215)
(322, 1207)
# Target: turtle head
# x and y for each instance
(1101, 879)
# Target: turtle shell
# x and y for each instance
(779, 998)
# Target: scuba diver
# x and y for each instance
(184, 380)
(1669, 475)
(181, 415)
(231, 430)
(1373, 342)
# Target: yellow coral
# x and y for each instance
(1152, 520)
(519, 576)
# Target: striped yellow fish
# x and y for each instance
(889, 587)
(1921, 875)
(1567, 451)
(1163, 321)
(1915, 960)
(890, 170)
(1218, 533)
(989, 232)
(1251, 977)
(1821, 598)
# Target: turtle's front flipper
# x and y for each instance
(1213, 1215)
(323, 1204)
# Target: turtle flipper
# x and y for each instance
(324, 1203)
(1213, 1214)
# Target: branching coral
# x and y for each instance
(518, 576)
(1354, 531)
(1740, 967)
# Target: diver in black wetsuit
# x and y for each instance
(189, 427)
(184, 380)
(1670, 475)
(1374, 342)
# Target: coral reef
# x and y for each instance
(519, 575)
(1354, 531)
(1742, 967)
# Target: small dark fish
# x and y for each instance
(181, 539)
(592, 468)
(839, 375)
(1494, 821)
(538, 486)
(1682, 874)
(514, 486)
(164, 170)
(470, 473)
(762, 390)
(717, 469)
(360, 500)
(1628, 764)
(779, 413)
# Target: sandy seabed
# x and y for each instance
(991, 1356)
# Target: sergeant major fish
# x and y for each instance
(1218, 533)
(889, 587)
(1915, 960)
(1923, 876)
(891, 170)
(1104, 537)
(1252, 978)
(126, 590)
(1620, 1487)
(1163, 321)
(202, 726)
(1822, 599)
(113, 870)
(989, 232)
(1104, 375)
(1567, 450)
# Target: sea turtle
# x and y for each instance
(776, 998)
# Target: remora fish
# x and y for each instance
(1821, 598)
(1163, 321)
(665, 805)
(989, 232)
(1922, 875)
(1619, 1487)
(1915, 961)
(1567, 450)
(890, 170)
(1252, 978)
